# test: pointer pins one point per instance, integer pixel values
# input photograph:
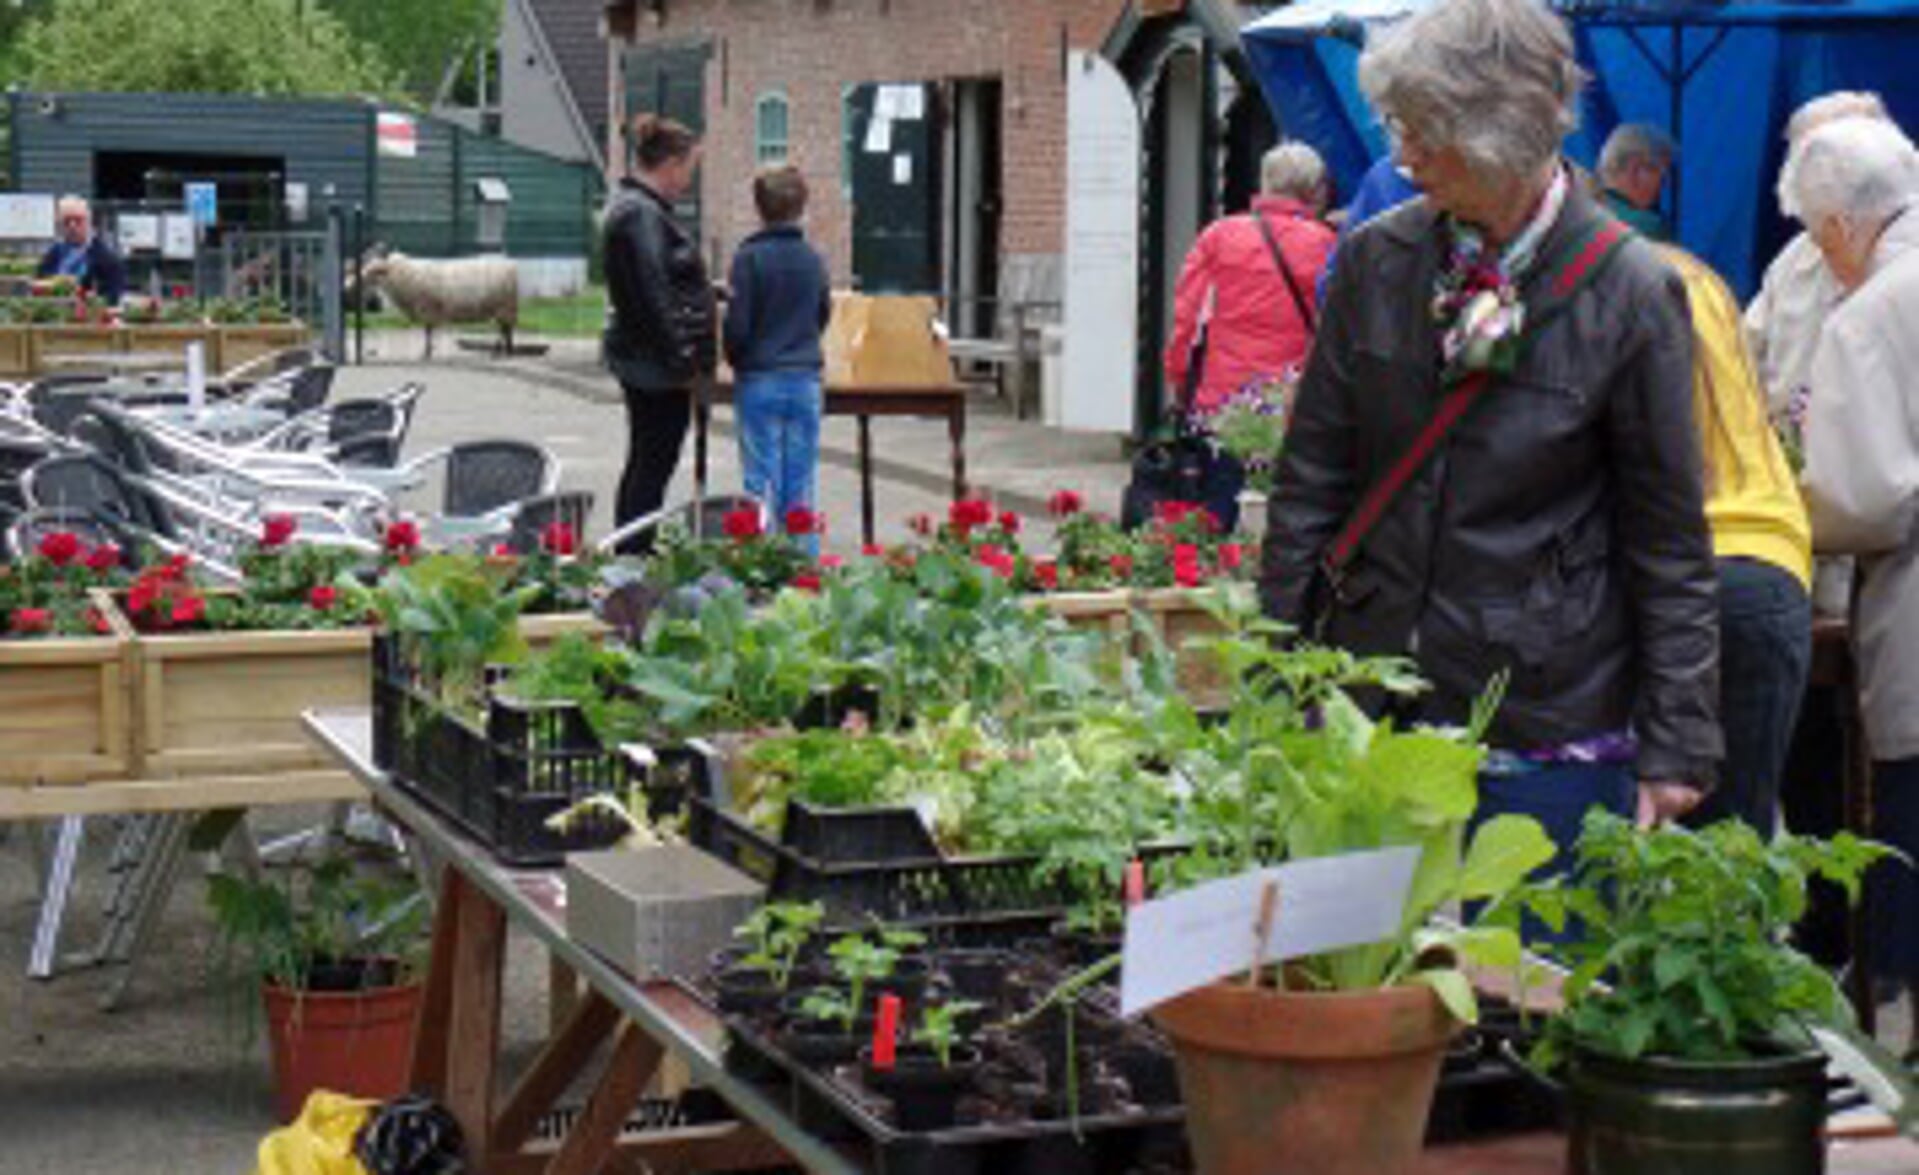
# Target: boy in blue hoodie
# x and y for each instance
(779, 306)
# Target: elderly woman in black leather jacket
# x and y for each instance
(1555, 529)
(661, 335)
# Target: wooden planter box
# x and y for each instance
(64, 716)
(229, 703)
(234, 345)
(16, 349)
(164, 337)
(1177, 614)
(75, 339)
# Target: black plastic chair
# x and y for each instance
(17, 455)
(484, 476)
(299, 390)
(536, 514)
(90, 483)
(57, 401)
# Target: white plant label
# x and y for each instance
(1199, 935)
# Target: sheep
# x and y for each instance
(435, 292)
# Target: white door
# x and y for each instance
(1102, 247)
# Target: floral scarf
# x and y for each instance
(1476, 297)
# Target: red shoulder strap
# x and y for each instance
(1583, 263)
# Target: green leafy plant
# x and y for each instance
(1683, 950)
(859, 963)
(939, 1028)
(1297, 770)
(778, 932)
(1251, 426)
(830, 768)
(453, 617)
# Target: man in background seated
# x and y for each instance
(83, 255)
(1632, 169)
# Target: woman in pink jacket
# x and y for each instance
(1260, 323)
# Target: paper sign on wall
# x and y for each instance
(902, 169)
(1199, 935)
(397, 135)
(26, 217)
(879, 135)
(139, 232)
(203, 202)
(176, 237)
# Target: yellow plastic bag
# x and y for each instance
(320, 1140)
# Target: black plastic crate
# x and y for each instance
(501, 783)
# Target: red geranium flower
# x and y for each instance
(969, 513)
(1047, 573)
(872, 550)
(103, 558)
(323, 597)
(402, 536)
(276, 529)
(98, 622)
(1122, 566)
(61, 548)
(1173, 513)
(1009, 522)
(176, 567)
(558, 538)
(141, 596)
(1065, 504)
(741, 525)
(30, 620)
(802, 521)
(189, 610)
(806, 581)
(831, 562)
(921, 524)
(179, 292)
(1231, 555)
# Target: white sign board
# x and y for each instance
(297, 201)
(1200, 935)
(397, 135)
(26, 217)
(139, 232)
(203, 202)
(1102, 247)
(177, 236)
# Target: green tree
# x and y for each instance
(420, 39)
(266, 47)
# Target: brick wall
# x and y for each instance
(811, 50)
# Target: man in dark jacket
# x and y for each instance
(780, 303)
(84, 255)
(660, 330)
(1557, 531)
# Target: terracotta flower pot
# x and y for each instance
(348, 1042)
(1307, 1083)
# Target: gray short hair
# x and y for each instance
(1860, 169)
(1832, 107)
(1634, 142)
(1494, 78)
(1293, 169)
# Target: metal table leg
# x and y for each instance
(168, 853)
(70, 832)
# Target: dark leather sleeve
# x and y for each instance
(1665, 546)
(1317, 482)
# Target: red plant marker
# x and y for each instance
(886, 1030)
(1134, 890)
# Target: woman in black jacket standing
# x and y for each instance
(660, 336)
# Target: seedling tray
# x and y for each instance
(500, 783)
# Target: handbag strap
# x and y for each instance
(1584, 259)
(1306, 315)
(1196, 361)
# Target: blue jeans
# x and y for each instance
(1558, 797)
(1893, 885)
(779, 423)
(1765, 652)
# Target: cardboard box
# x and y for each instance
(659, 912)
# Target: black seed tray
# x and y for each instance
(500, 784)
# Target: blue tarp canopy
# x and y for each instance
(1722, 79)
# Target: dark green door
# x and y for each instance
(669, 80)
(893, 170)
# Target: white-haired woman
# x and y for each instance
(1492, 465)
(1854, 184)
(1250, 279)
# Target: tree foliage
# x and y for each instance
(262, 47)
(419, 39)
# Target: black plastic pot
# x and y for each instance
(924, 1093)
(973, 975)
(1664, 1117)
(1082, 948)
(748, 992)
